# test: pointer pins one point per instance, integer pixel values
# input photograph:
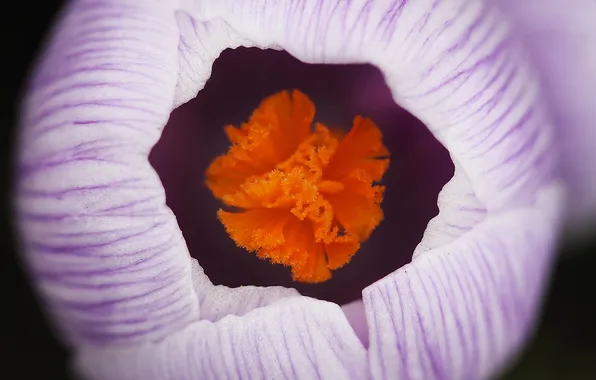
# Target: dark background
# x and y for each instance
(564, 346)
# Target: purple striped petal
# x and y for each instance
(105, 250)
(111, 262)
(462, 310)
(301, 338)
(562, 42)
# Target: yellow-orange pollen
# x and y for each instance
(307, 198)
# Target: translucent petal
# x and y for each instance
(561, 39)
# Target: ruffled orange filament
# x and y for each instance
(307, 198)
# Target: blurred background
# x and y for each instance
(564, 346)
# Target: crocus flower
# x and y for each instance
(113, 267)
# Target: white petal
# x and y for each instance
(219, 301)
(459, 212)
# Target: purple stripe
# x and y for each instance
(316, 15)
(468, 72)
(285, 344)
(431, 352)
(527, 144)
(330, 16)
(389, 295)
(40, 132)
(81, 252)
(61, 193)
(434, 35)
(507, 136)
(45, 80)
(107, 104)
(84, 321)
(443, 325)
(308, 353)
(362, 18)
(463, 41)
(492, 80)
(390, 19)
(481, 290)
(449, 290)
(84, 85)
(100, 52)
(499, 95)
(116, 304)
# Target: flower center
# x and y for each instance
(309, 198)
(240, 80)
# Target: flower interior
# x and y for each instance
(308, 197)
(276, 150)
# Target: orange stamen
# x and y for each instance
(307, 198)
